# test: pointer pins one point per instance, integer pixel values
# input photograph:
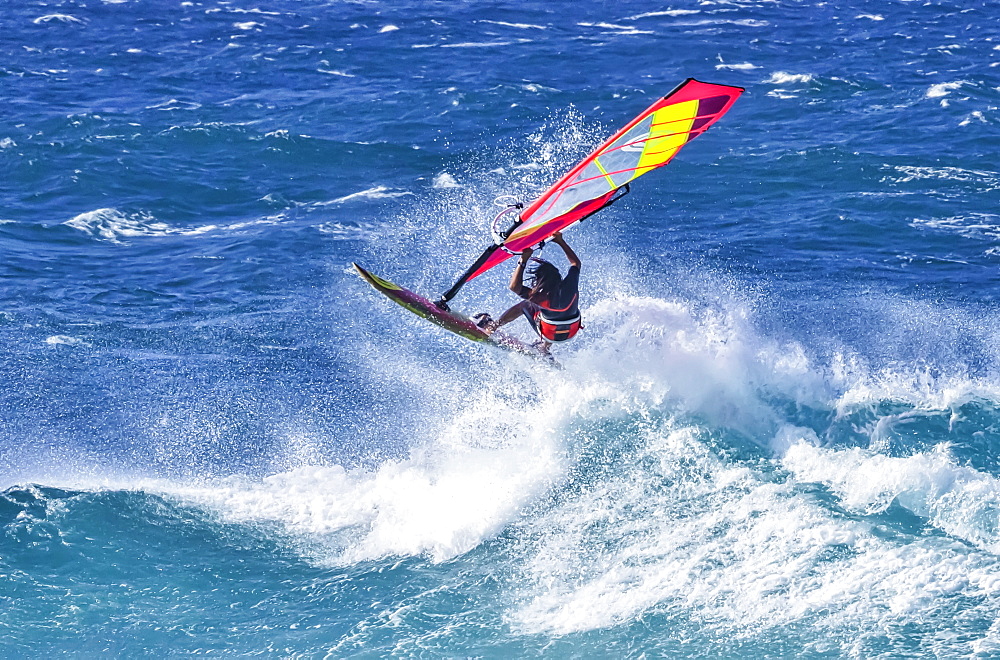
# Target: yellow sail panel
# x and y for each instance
(669, 132)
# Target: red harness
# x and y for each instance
(557, 330)
(560, 330)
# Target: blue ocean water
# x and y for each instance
(778, 435)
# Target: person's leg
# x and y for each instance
(511, 314)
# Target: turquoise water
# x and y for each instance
(776, 437)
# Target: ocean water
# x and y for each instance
(777, 437)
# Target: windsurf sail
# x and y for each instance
(649, 141)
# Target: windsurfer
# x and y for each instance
(550, 300)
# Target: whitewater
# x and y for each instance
(777, 435)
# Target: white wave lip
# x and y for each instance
(958, 500)
(112, 225)
(653, 352)
(441, 502)
(378, 192)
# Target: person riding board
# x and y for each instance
(550, 302)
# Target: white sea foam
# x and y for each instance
(347, 230)
(732, 550)
(970, 225)
(520, 26)
(668, 12)
(480, 44)
(114, 226)
(535, 88)
(388, 28)
(715, 22)
(619, 29)
(441, 501)
(943, 89)
(618, 501)
(676, 527)
(57, 18)
(253, 10)
(974, 115)
(445, 180)
(958, 500)
(714, 361)
(920, 172)
(679, 528)
(478, 472)
(65, 340)
(378, 192)
(174, 104)
(783, 78)
(742, 66)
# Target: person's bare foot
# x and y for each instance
(485, 322)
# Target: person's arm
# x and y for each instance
(558, 239)
(517, 279)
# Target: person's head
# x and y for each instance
(545, 280)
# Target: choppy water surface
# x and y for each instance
(777, 436)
